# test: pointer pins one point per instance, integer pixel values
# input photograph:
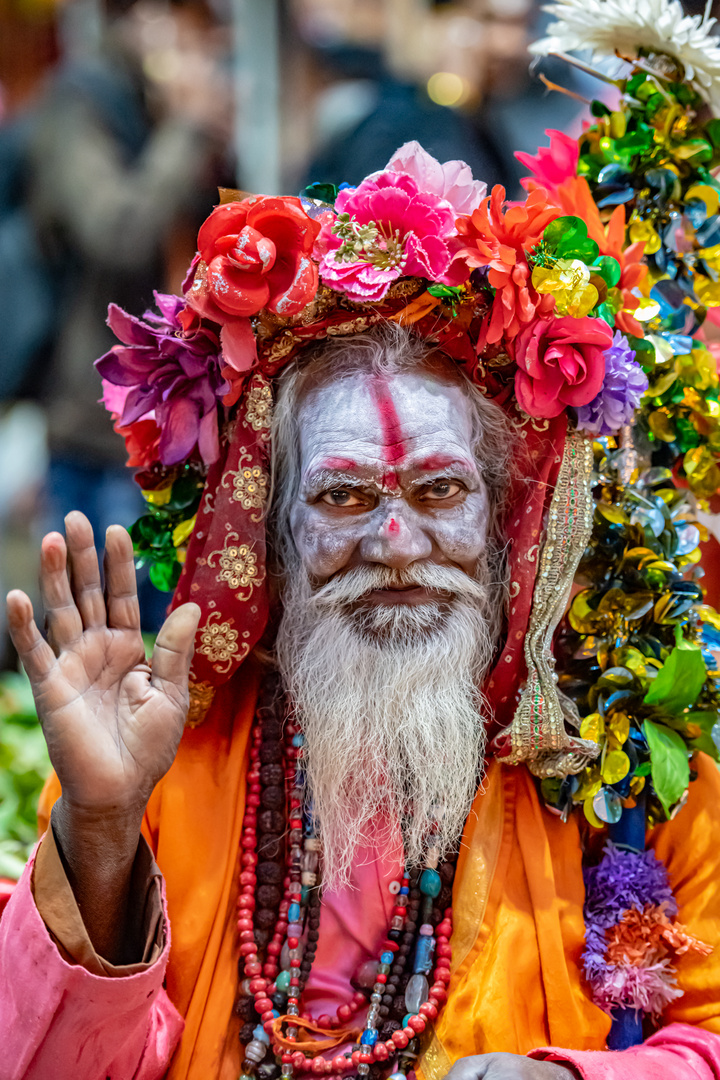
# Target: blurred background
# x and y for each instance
(118, 121)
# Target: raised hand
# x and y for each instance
(112, 723)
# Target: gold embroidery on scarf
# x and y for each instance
(538, 733)
(249, 484)
(237, 565)
(201, 695)
(219, 642)
(258, 406)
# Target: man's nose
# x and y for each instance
(395, 539)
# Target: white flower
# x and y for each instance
(623, 27)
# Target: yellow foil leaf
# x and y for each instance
(619, 727)
(590, 784)
(591, 815)
(592, 727)
(182, 531)
(643, 231)
(637, 784)
(661, 425)
(615, 767)
(159, 496)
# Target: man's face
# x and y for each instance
(388, 478)
(389, 622)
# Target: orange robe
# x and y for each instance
(518, 900)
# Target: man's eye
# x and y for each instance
(341, 497)
(442, 489)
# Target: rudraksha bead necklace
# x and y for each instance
(278, 925)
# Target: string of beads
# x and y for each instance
(278, 911)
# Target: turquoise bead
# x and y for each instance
(430, 883)
(294, 912)
(423, 955)
(283, 981)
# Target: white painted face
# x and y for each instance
(388, 477)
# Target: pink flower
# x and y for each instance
(552, 165)
(561, 362)
(385, 229)
(452, 181)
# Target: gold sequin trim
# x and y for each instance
(539, 736)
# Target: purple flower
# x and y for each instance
(621, 881)
(624, 384)
(171, 373)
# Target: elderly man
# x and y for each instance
(391, 476)
(364, 435)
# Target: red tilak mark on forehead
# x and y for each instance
(343, 463)
(389, 421)
(394, 526)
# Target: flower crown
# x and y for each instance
(586, 298)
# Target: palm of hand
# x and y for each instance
(112, 724)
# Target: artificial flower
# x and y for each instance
(553, 164)
(627, 27)
(561, 362)
(568, 282)
(387, 228)
(142, 443)
(253, 254)
(498, 237)
(575, 199)
(171, 377)
(624, 384)
(452, 181)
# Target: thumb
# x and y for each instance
(174, 647)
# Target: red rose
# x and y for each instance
(255, 254)
(561, 362)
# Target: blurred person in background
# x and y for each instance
(126, 153)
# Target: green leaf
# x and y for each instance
(680, 679)
(669, 766)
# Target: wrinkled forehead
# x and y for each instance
(401, 414)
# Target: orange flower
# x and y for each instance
(575, 199)
(497, 237)
(644, 937)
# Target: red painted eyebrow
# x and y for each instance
(341, 463)
(439, 461)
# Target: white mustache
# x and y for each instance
(355, 583)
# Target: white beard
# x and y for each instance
(388, 699)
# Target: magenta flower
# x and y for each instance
(385, 229)
(553, 164)
(170, 373)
